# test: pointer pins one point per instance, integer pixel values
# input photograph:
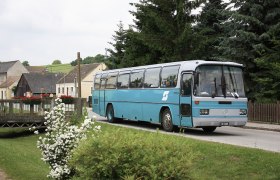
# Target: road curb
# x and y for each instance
(261, 128)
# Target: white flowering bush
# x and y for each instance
(61, 138)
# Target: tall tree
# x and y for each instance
(165, 27)
(118, 44)
(268, 77)
(210, 29)
(247, 35)
(136, 52)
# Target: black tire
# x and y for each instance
(166, 121)
(209, 129)
(110, 114)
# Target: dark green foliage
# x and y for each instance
(89, 60)
(269, 77)
(165, 28)
(56, 62)
(243, 31)
(25, 63)
(210, 30)
(162, 33)
(119, 44)
(248, 38)
(123, 153)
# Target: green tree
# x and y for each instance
(136, 52)
(89, 60)
(25, 63)
(248, 37)
(117, 52)
(210, 30)
(56, 62)
(165, 27)
(268, 77)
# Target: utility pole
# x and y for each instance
(79, 76)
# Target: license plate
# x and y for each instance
(224, 123)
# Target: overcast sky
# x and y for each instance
(41, 31)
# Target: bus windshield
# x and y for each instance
(219, 81)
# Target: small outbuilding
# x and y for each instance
(37, 83)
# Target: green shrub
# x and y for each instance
(125, 154)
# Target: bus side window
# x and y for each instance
(123, 81)
(186, 85)
(169, 76)
(111, 82)
(152, 77)
(136, 79)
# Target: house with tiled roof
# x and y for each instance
(36, 84)
(68, 85)
(10, 73)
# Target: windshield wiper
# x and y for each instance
(216, 90)
(223, 84)
(234, 93)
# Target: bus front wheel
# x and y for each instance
(166, 120)
(209, 129)
(110, 114)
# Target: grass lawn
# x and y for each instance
(19, 156)
(64, 68)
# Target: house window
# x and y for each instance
(72, 89)
(58, 90)
(63, 90)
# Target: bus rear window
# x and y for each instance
(97, 82)
(103, 81)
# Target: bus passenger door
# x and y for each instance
(186, 100)
(102, 107)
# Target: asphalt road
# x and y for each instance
(253, 138)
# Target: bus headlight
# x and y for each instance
(243, 112)
(204, 111)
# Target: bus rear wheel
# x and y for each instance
(166, 120)
(110, 114)
(209, 129)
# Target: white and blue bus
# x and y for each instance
(187, 94)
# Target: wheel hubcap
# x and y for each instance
(167, 120)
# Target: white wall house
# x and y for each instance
(68, 85)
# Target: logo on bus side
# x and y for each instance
(165, 95)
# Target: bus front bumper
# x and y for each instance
(202, 122)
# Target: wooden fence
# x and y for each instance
(266, 113)
(14, 113)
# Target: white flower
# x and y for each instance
(61, 138)
(36, 132)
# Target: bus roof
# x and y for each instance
(188, 65)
